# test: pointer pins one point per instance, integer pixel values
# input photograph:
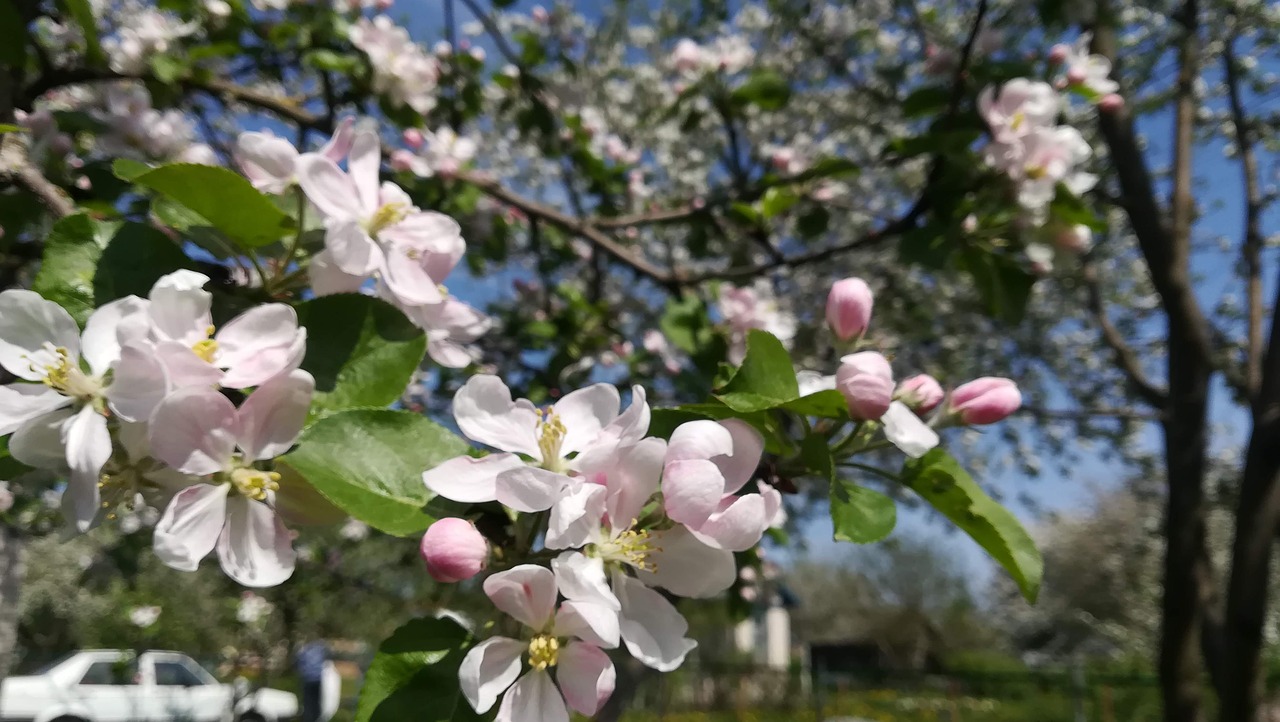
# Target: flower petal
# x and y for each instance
(439, 237)
(88, 445)
(701, 439)
(586, 676)
(331, 190)
(588, 621)
(748, 445)
(269, 421)
(19, 403)
(533, 698)
(184, 368)
(255, 548)
(686, 567)
(485, 413)
(469, 480)
(581, 578)
(575, 517)
(327, 279)
(38, 442)
(691, 489)
(740, 521)
(194, 431)
(526, 592)
(652, 629)
(629, 428)
(907, 432)
(584, 413)
(406, 275)
(100, 345)
(180, 307)
(139, 383)
(351, 248)
(27, 323)
(634, 481)
(255, 345)
(529, 489)
(190, 526)
(363, 162)
(488, 669)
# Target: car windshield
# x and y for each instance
(48, 667)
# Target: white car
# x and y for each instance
(108, 685)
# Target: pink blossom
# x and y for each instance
(985, 400)
(849, 306)
(453, 550)
(866, 380)
(922, 393)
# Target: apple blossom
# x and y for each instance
(453, 550)
(866, 380)
(451, 327)
(1084, 69)
(985, 400)
(442, 152)
(271, 162)
(744, 309)
(143, 617)
(849, 308)
(402, 70)
(57, 412)
(199, 432)
(567, 640)
(921, 393)
(372, 230)
(1019, 107)
(6, 497)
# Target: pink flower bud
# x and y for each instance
(1076, 76)
(1059, 53)
(401, 159)
(866, 380)
(454, 550)
(969, 224)
(1110, 103)
(1075, 239)
(922, 393)
(83, 183)
(385, 5)
(539, 14)
(849, 308)
(985, 400)
(413, 138)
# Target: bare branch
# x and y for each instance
(16, 169)
(1126, 358)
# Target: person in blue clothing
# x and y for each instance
(310, 661)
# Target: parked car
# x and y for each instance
(111, 685)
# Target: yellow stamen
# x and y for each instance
(544, 651)
(551, 433)
(207, 348)
(386, 216)
(65, 377)
(631, 547)
(1018, 119)
(254, 483)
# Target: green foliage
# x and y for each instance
(1005, 287)
(13, 40)
(9, 466)
(71, 253)
(369, 463)
(940, 480)
(82, 12)
(135, 258)
(766, 378)
(857, 514)
(765, 89)
(362, 351)
(222, 197)
(415, 675)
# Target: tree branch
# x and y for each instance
(1126, 358)
(16, 169)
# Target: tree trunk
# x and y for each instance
(12, 570)
(1257, 520)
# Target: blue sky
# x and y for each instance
(1222, 203)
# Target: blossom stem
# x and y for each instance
(292, 252)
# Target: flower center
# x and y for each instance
(631, 547)
(386, 216)
(1035, 172)
(544, 651)
(551, 433)
(207, 348)
(254, 483)
(1017, 120)
(65, 377)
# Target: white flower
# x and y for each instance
(58, 418)
(1086, 70)
(143, 617)
(443, 152)
(1020, 107)
(198, 431)
(566, 641)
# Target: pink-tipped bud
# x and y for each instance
(413, 138)
(985, 400)
(1076, 238)
(454, 550)
(539, 14)
(83, 183)
(849, 308)
(385, 5)
(921, 393)
(1076, 76)
(1110, 103)
(866, 381)
(1059, 53)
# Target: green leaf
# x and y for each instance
(415, 675)
(82, 12)
(926, 101)
(858, 514)
(128, 169)
(9, 466)
(135, 258)
(71, 253)
(684, 323)
(361, 350)
(168, 68)
(9, 128)
(776, 201)
(369, 463)
(813, 222)
(225, 198)
(939, 480)
(1004, 286)
(766, 89)
(766, 378)
(827, 404)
